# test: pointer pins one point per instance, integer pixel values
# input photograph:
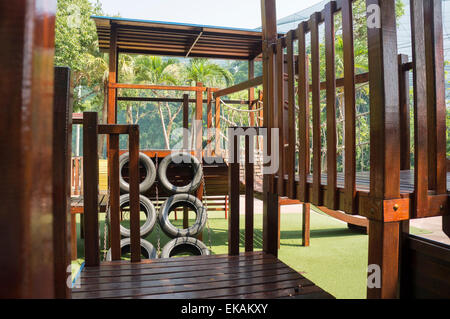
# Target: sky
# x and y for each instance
(225, 13)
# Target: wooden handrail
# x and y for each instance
(91, 130)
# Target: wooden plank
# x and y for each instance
(114, 196)
(62, 141)
(195, 290)
(436, 105)
(239, 87)
(135, 236)
(118, 286)
(350, 102)
(249, 196)
(217, 139)
(405, 154)
(199, 121)
(251, 91)
(306, 221)
(209, 121)
(280, 115)
(384, 114)
(384, 252)
(26, 130)
(233, 184)
(316, 109)
(156, 87)
(420, 109)
(331, 194)
(185, 121)
(90, 181)
(290, 154)
(113, 129)
(269, 31)
(303, 102)
(113, 76)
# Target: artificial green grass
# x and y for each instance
(336, 259)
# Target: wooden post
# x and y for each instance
(233, 191)
(251, 91)
(249, 194)
(185, 147)
(270, 216)
(218, 145)
(331, 199)
(290, 154)
(90, 180)
(62, 142)
(135, 236)
(26, 131)
(199, 121)
(114, 196)
(306, 224)
(405, 154)
(384, 147)
(350, 101)
(113, 76)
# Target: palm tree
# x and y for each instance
(155, 70)
(206, 72)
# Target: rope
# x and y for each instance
(206, 207)
(158, 231)
(105, 228)
(239, 110)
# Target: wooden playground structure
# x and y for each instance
(36, 188)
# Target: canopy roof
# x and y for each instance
(178, 39)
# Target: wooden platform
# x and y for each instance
(247, 276)
(362, 181)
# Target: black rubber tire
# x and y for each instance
(182, 200)
(150, 212)
(149, 167)
(180, 158)
(148, 248)
(184, 244)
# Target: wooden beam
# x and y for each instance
(405, 154)
(135, 236)
(62, 141)
(26, 132)
(113, 76)
(90, 181)
(270, 206)
(240, 87)
(233, 191)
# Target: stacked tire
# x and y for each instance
(184, 240)
(146, 206)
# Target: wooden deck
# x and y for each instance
(253, 275)
(362, 181)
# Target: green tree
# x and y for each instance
(209, 73)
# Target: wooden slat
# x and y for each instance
(90, 181)
(270, 216)
(303, 102)
(316, 109)
(113, 129)
(306, 208)
(233, 184)
(420, 108)
(156, 87)
(290, 154)
(199, 120)
(384, 115)
(239, 87)
(62, 142)
(217, 139)
(331, 194)
(280, 114)
(114, 196)
(135, 235)
(436, 105)
(249, 194)
(405, 154)
(350, 102)
(185, 121)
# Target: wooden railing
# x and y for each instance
(380, 198)
(91, 130)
